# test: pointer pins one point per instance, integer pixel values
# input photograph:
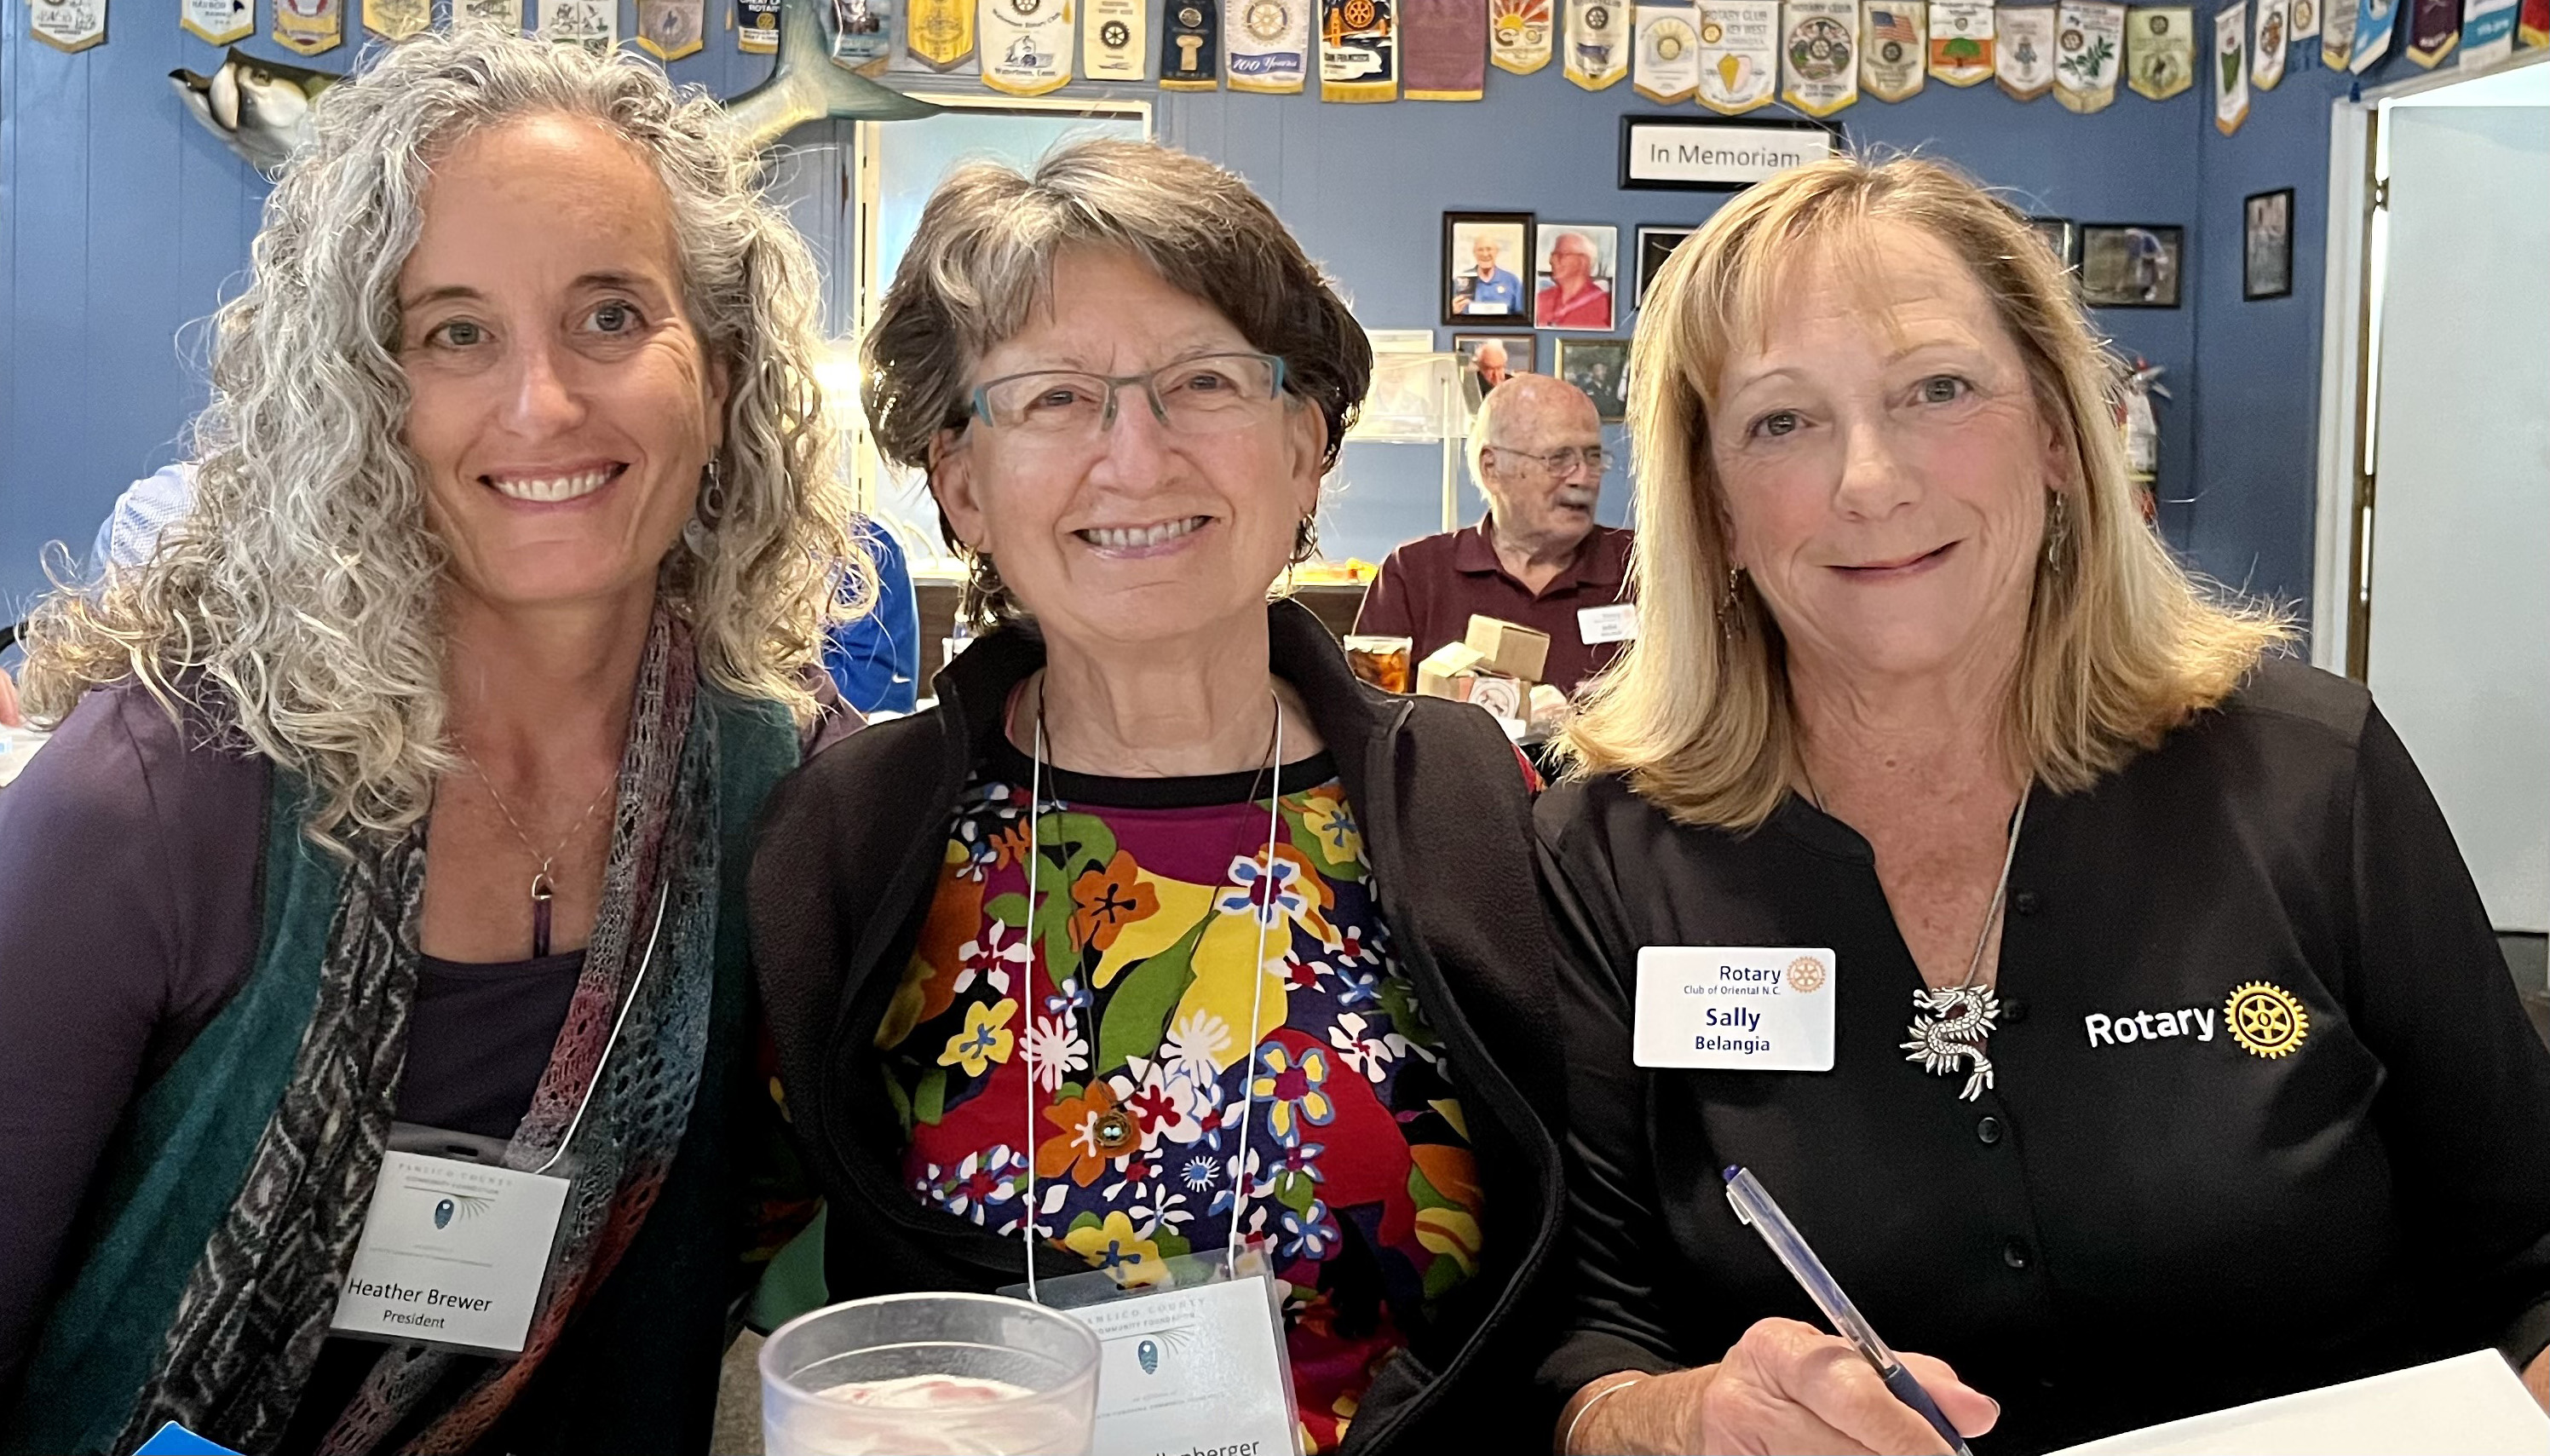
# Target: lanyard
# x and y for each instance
(608, 1048)
(1256, 1003)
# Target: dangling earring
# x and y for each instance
(712, 505)
(1729, 617)
(1305, 540)
(2058, 534)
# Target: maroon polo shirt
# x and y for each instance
(1429, 589)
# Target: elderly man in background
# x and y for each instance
(1536, 558)
(1488, 289)
(1573, 299)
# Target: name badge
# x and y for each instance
(1617, 623)
(1192, 1361)
(453, 1253)
(1734, 1008)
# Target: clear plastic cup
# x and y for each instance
(930, 1375)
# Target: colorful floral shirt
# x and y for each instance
(1128, 1019)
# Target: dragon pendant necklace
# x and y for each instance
(1950, 1025)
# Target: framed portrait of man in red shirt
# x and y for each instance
(1576, 266)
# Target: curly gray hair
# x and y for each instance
(305, 590)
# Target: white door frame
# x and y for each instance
(2350, 360)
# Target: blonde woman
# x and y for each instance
(407, 783)
(2140, 1044)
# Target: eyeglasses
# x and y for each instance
(1558, 462)
(1209, 394)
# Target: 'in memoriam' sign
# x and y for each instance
(1677, 153)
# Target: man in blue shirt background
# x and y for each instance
(1487, 289)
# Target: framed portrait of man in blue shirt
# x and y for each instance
(1485, 255)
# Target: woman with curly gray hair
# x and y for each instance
(394, 808)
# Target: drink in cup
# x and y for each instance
(930, 1375)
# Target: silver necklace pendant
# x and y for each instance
(1949, 1028)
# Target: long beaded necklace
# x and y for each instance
(544, 882)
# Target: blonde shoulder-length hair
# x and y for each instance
(2122, 644)
(305, 588)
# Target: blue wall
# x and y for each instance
(121, 222)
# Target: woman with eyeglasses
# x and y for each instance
(1160, 934)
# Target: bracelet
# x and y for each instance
(1567, 1442)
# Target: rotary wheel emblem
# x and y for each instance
(1597, 18)
(1114, 35)
(1359, 15)
(2267, 1021)
(1026, 7)
(1806, 975)
(1266, 20)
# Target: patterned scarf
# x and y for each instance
(256, 1305)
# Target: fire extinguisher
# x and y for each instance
(2141, 428)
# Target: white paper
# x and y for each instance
(1734, 1008)
(1191, 1370)
(453, 1253)
(2463, 1407)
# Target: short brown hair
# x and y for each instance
(2123, 644)
(982, 261)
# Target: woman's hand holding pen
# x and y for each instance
(1785, 1387)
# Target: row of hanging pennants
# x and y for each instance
(1729, 56)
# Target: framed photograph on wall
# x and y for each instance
(1490, 360)
(2063, 236)
(1575, 268)
(1655, 244)
(1601, 368)
(2267, 244)
(2131, 265)
(1486, 258)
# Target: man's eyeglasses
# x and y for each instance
(1558, 462)
(1205, 395)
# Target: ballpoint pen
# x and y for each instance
(1754, 1208)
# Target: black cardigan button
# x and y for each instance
(2013, 1252)
(1988, 1129)
(2025, 902)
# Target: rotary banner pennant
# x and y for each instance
(669, 29)
(2488, 32)
(1358, 49)
(310, 26)
(1271, 46)
(1665, 61)
(218, 20)
(2305, 27)
(2532, 22)
(1113, 39)
(2434, 28)
(756, 25)
(2231, 68)
(2336, 33)
(1961, 42)
(1025, 44)
(2375, 20)
(1598, 43)
(2267, 49)
(1893, 59)
(2160, 51)
(1270, 50)
(940, 34)
(1191, 50)
(400, 20)
(1819, 56)
(1518, 34)
(2023, 51)
(2090, 47)
(1443, 49)
(1739, 55)
(67, 24)
(862, 30)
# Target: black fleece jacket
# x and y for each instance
(844, 871)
